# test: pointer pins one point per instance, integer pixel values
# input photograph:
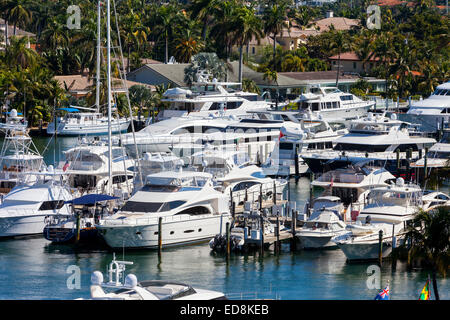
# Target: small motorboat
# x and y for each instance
(132, 289)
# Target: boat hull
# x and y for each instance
(364, 251)
(21, 225)
(98, 129)
(174, 233)
(315, 242)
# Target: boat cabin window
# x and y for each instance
(121, 178)
(346, 98)
(347, 195)
(317, 225)
(195, 211)
(384, 197)
(286, 146)
(52, 205)
(227, 105)
(361, 147)
(244, 185)
(137, 206)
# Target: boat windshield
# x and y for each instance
(183, 182)
(395, 198)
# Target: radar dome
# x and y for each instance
(147, 156)
(13, 113)
(400, 182)
(393, 116)
(50, 168)
(97, 278)
(130, 281)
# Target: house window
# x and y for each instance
(354, 65)
(253, 50)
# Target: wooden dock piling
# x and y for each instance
(159, 235)
(380, 247)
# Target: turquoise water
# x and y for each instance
(35, 269)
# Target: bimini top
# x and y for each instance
(91, 199)
(71, 109)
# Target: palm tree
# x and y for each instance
(249, 85)
(188, 43)
(202, 10)
(17, 12)
(247, 26)
(19, 55)
(139, 96)
(429, 240)
(275, 20)
(339, 44)
(293, 63)
(166, 16)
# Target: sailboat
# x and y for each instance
(80, 227)
(82, 121)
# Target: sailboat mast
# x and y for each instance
(108, 35)
(97, 89)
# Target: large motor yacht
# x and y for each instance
(190, 208)
(433, 111)
(333, 104)
(375, 138)
(211, 97)
(314, 135)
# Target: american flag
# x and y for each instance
(66, 165)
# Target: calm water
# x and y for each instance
(35, 269)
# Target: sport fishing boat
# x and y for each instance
(25, 207)
(14, 121)
(87, 171)
(388, 209)
(320, 229)
(18, 160)
(191, 210)
(352, 184)
(376, 138)
(333, 104)
(121, 287)
(433, 111)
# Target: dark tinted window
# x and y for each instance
(195, 211)
(135, 206)
(52, 205)
(361, 147)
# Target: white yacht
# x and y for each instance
(375, 138)
(121, 287)
(76, 123)
(432, 111)
(25, 208)
(352, 183)
(333, 104)
(234, 175)
(438, 155)
(320, 229)
(211, 98)
(190, 208)
(314, 135)
(86, 168)
(389, 209)
(163, 135)
(18, 160)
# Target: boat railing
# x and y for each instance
(388, 155)
(153, 220)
